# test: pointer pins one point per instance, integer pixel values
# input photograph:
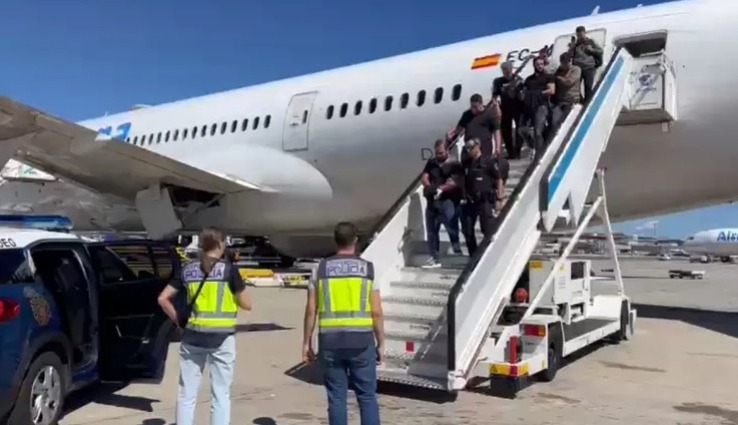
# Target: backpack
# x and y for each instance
(597, 57)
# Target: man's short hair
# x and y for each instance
(565, 57)
(506, 65)
(439, 143)
(472, 143)
(344, 234)
(476, 98)
(581, 28)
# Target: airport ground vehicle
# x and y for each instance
(74, 312)
(690, 274)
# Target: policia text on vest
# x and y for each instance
(347, 308)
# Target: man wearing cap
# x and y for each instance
(505, 93)
(484, 193)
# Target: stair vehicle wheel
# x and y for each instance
(41, 397)
(624, 333)
(555, 342)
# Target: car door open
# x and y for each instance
(134, 332)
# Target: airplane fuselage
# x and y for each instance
(714, 242)
(354, 165)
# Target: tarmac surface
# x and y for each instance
(680, 368)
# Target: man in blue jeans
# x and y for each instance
(442, 189)
(348, 308)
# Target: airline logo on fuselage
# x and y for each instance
(117, 133)
(727, 236)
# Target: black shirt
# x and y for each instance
(507, 90)
(439, 173)
(481, 126)
(535, 84)
(481, 177)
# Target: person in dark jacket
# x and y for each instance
(505, 93)
(587, 55)
(536, 93)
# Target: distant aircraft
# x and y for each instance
(290, 158)
(721, 243)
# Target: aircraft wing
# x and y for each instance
(76, 153)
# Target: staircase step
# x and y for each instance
(440, 275)
(400, 376)
(412, 301)
(447, 261)
(429, 292)
(443, 285)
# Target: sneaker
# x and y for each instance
(432, 263)
(456, 248)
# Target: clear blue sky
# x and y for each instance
(81, 58)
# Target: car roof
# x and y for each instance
(11, 238)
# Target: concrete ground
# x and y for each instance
(681, 368)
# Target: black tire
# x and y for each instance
(622, 334)
(555, 347)
(21, 412)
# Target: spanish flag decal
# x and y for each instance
(486, 61)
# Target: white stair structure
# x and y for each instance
(441, 323)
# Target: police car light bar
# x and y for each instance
(42, 222)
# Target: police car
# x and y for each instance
(74, 312)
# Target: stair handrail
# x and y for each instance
(487, 241)
(544, 183)
(401, 200)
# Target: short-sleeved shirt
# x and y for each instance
(535, 84)
(507, 90)
(341, 340)
(481, 126)
(203, 339)
(481, 176)
(440, 172)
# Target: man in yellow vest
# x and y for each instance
(214, 291)
(347, 306)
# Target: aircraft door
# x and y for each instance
(297, 122)
(563, 41)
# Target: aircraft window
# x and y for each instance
(194, 132)
(128, 140)
(245, 124)
(256, 124)
(421, 98)
(135, 140)
(305, 116)
(184, 134)
(388, 103)
(158, 138)
(213, 129)
(456, 93)
(372, 105)
(329, 112)
(404, 99)
(223, 127)
(234, 125)
(357, 108)
(151, 138)
(166, 136)
(344, 109)
(176, 135)
(438, 95)
(204, 131)
(267, 121)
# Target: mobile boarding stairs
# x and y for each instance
(448, 327)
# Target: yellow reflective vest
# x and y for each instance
(215, 309)
(344, 285)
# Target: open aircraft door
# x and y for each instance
(562, 43)
(297, 122)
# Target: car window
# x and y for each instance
(14, 267)
(113, 269)
(163, 260)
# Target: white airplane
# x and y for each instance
(289, 159)
(721, 243)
